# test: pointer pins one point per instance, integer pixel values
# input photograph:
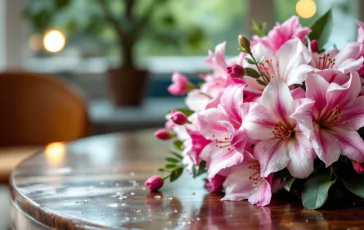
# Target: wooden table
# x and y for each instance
(97, 182)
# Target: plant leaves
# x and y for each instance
(315, 191)
(355, 184)
(172, 160)
(161, 170)
(251, 73)
(177, 155)
(200, 169)
(288, 184)
(178, 144)
(175, 174)
(250, 61)
(321, 29)
(261, 82)
(170, 166)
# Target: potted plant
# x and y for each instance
(127, 82)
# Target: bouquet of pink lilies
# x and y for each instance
(284, 114)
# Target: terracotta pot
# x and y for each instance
(127, 86)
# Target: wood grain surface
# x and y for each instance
(97, 182)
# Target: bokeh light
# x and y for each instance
(54, 41)
(306, 8)
(55, 154)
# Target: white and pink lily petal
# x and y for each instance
(347, 60)
(288, 63)
(244, 181)
(336, 116)
(216, 60)
(227, 146)
(281, 142)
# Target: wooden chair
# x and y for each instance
(36, 109)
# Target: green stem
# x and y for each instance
(265, 79)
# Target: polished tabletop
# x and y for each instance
(97, 182)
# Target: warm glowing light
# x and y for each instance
(54, 41)
(306, 8)
(55, 153)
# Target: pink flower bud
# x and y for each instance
(178, 117)
(314, 46)
(180, 85)
(154, 183)
(244, 42)
(235, 71)
(163, 134)
(358, 167)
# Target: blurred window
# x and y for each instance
(179, 28)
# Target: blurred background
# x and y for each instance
(114, 59)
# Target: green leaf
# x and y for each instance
(170, 166)
(177, 155)
(175, 174)
(251, 73)
(261, 60)
(315, 191)
(201, 168)
(288, 184)
(172, 160)
(161, 170)
(321, 29)
(59, 4)
(355, 184)
(250, 61)
(178, 144)
(261, 82)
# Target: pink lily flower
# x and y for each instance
(244, 181)
(216, 61)
(336, 116)
(281, 142)
(288, 63)
(222, 126)
(280, 34)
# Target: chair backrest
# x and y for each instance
(36, 109)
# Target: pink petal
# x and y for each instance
(196, 100)
(272, 155)
(219, 158)
(209, 127)
(351, 144)
(216, 60)
(354, 115)
(301, 157)
(290, 56)
(326, 146)
(278, 100)
(360, 37)
(258, 123)
(316, 88)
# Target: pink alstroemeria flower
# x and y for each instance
(221, 126)
(289, 64)
(245, 182)
(336, 116)
(281, 143)
(280, 34)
